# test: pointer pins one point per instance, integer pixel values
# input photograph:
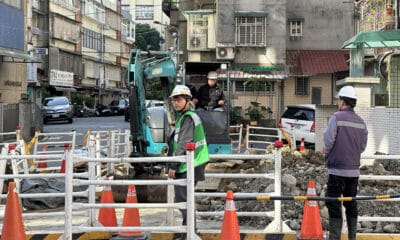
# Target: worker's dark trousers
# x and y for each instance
(338, 186)
(180, 196)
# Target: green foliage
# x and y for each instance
(153, 90)
(147, 38)
(254, 83)
(235, 117)
(89, 101)
(255, 111)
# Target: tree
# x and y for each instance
(147, 38)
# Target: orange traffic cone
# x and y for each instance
(66, 149)
(42, 162)
(230, 226)
(302, 145)
(107, 216)
(131, 218)
(13, 226)
(311, 226)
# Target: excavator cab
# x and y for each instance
(215, 121)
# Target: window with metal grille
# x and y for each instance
(144, 12)
(296, 28)
(92, 40)
(302, 86)
(251, 31)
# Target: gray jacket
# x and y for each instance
(345, 138)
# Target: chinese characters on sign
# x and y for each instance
(61, 78)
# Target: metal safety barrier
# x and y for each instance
(52, 143)
(236, 135)
(93, 181)
(93, 178)
(276, 225)
(259, 138)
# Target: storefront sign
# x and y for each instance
(61, 78)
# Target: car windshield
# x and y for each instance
(122, 102)
(55, 101)
(299, 114)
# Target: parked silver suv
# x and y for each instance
(57, 108)
(301, 120)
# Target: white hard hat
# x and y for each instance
(212, 75)
(347, 91)
(181, 90)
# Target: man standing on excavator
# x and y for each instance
(210, 95)
(188, 128)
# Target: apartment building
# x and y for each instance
(291, 48)
(149, 12)
(83, 47)
(15, 53)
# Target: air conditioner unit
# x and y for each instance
(198, 42)
(225, 53)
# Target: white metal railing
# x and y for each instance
(236, 135)
(373, 216)
(93, 181)
(13, 137)
(259, 138)
(74, 209)
(52, 143)
(277, 225)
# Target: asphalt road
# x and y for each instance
(82, 125)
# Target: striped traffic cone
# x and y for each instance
(13, 225)
(311, 226)
(131, 219)
(107, 216)
(230, 225)
(42, 162)
(302, 148)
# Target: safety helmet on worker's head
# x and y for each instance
(347, 91)
(181, 90)
(212, 75)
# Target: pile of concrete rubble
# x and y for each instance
(297, 170)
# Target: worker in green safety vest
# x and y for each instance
(188, 128)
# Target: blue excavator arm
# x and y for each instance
(146, 66)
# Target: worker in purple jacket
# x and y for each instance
(345, 138)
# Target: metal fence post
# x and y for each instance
(190, 203)
(68, 195)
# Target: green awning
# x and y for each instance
(25, 57)
(258, 68)
(374, 39)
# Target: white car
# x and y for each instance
(300, 119)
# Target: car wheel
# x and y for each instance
(70, 120)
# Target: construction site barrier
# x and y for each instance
(52, 143)
(276, 225)
(259, 138)
(236, 135)
(92, 179)
(316, 198)
(12, 137)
